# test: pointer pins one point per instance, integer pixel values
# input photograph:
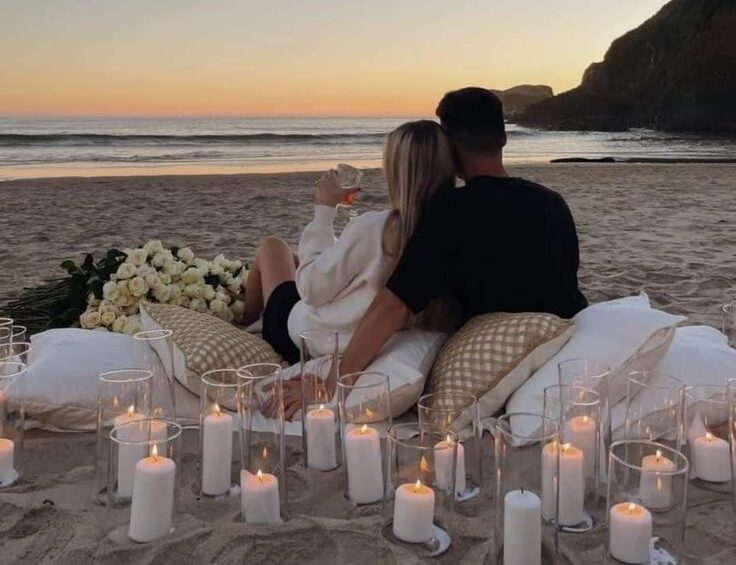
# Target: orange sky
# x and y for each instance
(288, 57)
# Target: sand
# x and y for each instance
(666, 229)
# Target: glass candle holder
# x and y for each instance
(364, 401)
(526, 471)
(6, 335)
(457, 411)
(420, 488)
(593, 375)
(12, 420)
(19, 334)
(707, 437)
(263, 471)
(219, 465)
(647, 502)
(728, 323)
(577, 411)
(320, 436)
(123, 396)
(155, 350)
(154, 444)
(654, 408)
(15, 351)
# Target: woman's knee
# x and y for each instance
(271, 242)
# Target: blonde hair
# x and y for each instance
(417, 161)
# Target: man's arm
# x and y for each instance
(385, 316)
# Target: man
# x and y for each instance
(498, 244)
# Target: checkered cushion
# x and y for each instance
(207, 342)
(491, 347)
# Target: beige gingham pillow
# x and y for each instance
(203, 342)
(493, 354)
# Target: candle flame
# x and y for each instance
(264, 453)
(364, 429)
(217, 409)
(259, 474)
(369, 413)
(631, 508)
(321, 407)
(423, 465)
(154, 452)
(448, 440)
(708, 436)
(565, 446)
(585, 419)
(659, 455)
(131, 410)
(417, 485)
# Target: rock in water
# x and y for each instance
(676, 71)
(518, 98)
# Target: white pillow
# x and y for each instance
(63, 372)
(699, 355)
(406, 358)
(626, 334)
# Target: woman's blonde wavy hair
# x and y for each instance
(417, 161)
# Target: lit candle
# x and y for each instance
(443, 461)
(153, 497)
(712, 458)
(128, 454)
(363, 461)
(570, 480)
(580, 431)
(413, 512)
(655, 489)
(7, 453)
(260, 498)
(217, 452)
(320, 430)
(522, 528)
(629, 532)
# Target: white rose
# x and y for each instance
(154, 246)
(110, 291)
(162, 258)
(118, 326)
(125, 271)
(123, 288)
(208, 292)
(220, 261)
(92, 300)
(218, 306)
(162, 294)
(224, 297)
(107, 306)
(132, 325)
(131, 310)
(107, 318)
(181, 301)
(198, 305)
(199, 262)
(154, 281)
(193, 291)
(145, 270)
(235, 265)
(217, 270)
(185, 254)
(237, 309)
(236, 286)
(203, 271)
(190, 276)
(173, 268)
(137, 257)
(165, 279)
(137, 286)
(124, 301)
(174, 292)
(90, 319)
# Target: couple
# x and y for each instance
(496, 244)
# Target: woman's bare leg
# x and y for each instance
(273, 264)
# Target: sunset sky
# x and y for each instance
(287, 57)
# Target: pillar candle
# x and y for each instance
(522, 528)
(363, 461)
(655, 489)
(128, 454)
(443, 462)
(580, 431)
(413, 512)
(7, 453)
(629, 532)
(260, 498)
(570, 480)
(153, 498)
(712, 458)
(320, 430)
(217, 453)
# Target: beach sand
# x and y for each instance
(666, 229)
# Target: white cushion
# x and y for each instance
(625, 334)
(63, 372)
(699, 355)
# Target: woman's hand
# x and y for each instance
(292, 395)
(328, 193)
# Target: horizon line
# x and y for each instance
(241, 116)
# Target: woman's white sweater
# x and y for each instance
(338, 278)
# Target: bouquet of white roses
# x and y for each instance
(154, 273)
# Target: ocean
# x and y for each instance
(132, 146)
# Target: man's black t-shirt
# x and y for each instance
(498, 244)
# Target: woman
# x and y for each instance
(333, 281)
